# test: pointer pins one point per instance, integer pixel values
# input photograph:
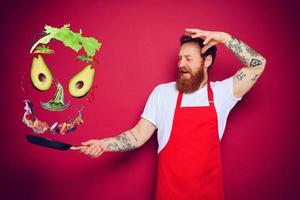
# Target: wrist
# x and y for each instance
(104, 144)
(227, 37)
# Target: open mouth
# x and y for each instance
(185, 73)
(184, 70)
(39, 126)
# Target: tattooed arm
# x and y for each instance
(254, 63)
(130, 139)
(125, 141)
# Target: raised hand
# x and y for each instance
(210, 38)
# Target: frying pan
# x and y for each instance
(49, 143)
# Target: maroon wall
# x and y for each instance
(140, 45)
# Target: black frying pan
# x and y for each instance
(49, 143)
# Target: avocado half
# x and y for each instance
(40, 74)
(81, 83)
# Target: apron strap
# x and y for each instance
(210, 93)
(179, 99)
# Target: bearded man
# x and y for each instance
(190, 117)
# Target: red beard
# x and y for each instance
(189, 85)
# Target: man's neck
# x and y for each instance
(204, 81)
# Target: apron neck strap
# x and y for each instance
(210, 94)
(179, 99)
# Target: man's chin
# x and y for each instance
(185, 78)
(187, 84)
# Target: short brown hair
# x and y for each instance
(211, 51)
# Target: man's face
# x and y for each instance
(190, 68)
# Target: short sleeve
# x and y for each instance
(224, 101)
(150, 112)
(225, 89)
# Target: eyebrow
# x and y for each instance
(185, 55)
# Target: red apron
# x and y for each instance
(189, 166)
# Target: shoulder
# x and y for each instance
(165, 87)
(226, 83)
(224, 88)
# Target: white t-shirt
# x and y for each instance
(161, 105)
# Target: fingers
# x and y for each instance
(207, 39)
(206, 35)
(89, 142)
(200, 35)
(196, 33)
(207, 46)
(76, 148)
(93, 151)
(193, 33)
(83, 149)
(97, 153)
(193, 30)
(90, 148)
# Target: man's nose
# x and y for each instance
(181, 63)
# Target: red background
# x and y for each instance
(140, 45)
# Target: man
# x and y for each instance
(190, 115)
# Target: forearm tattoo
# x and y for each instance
(133, 135)
(255, 77)
(120, 143)
(244, 53)
(240, 75)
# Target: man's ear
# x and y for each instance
(207, 61)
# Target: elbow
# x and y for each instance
(137, 140)
(139, 143)
(264, 61)
(262, 66)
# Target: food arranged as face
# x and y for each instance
(42, 78)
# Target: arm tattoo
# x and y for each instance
(250, 51)
(120, 143)
(131, 132)
(255, 62)
(244, 53)
(240, 75)
(255, 77)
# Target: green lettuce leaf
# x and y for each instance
(70, 39)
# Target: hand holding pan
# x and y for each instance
(49, 143)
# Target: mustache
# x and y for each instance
(184, 69)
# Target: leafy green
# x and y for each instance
(44, 49)
(70, 39)
(84, 58)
